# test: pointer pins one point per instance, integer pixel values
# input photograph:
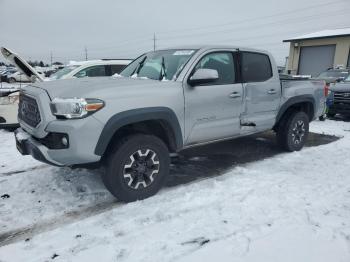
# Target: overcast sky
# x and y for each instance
(125, 28)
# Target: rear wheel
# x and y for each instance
(137, 168)
(12, 80)
(293, 131)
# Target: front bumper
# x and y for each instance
(337, 108)
(82, 135)
(26, 145)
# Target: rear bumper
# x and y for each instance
(8, 115)
(3, 125)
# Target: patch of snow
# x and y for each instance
(116, 75)
(22, 136)
(289, 207)
(135, 76)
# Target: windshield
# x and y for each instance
(62, 72)
(159, 65)
(335, 74)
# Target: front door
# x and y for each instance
(213, 110)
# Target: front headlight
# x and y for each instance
(9, 100)
(75, 107)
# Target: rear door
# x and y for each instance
(212, 110)
(262, 91)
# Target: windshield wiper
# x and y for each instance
(138, 68)
(162, 73)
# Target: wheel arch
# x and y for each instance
(305, 103)
(159, 121)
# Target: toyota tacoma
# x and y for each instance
(162, 103)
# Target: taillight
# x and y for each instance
(326, 89)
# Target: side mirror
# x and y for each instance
(203, 76)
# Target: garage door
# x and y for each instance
(315, 59)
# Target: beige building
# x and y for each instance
(314, 53)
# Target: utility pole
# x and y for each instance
(154, 42)
(86, 54)
(51, 58)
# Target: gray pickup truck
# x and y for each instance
(163, 102)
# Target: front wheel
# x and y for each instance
(138, 167)
(293, 131)
(12, 80)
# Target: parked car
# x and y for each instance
(4, 74)
(163, 102)
(93, 68)
(334, 75)
(8, 111)
(339, 98)
(9, 106)
(20, 77)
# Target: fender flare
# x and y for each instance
(293, 101)
(138, 115)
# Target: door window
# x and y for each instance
(255, 67)
(92, 71)
(221, 62)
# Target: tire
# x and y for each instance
(137, 167)
(12, 80)
(293, 131)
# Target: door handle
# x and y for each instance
(272, 91)
(235, 95)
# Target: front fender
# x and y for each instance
(134, 116)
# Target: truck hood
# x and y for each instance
(96, 87)
(20, 63)
(341, 87)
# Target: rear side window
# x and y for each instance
(255, 67)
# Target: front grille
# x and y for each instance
(342, 97)
(28, 110)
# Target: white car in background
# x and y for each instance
(21, 77)
(93, 68)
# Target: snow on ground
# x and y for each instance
(290, 207)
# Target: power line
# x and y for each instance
(279, 22)
(201, 34)
(304, 8)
